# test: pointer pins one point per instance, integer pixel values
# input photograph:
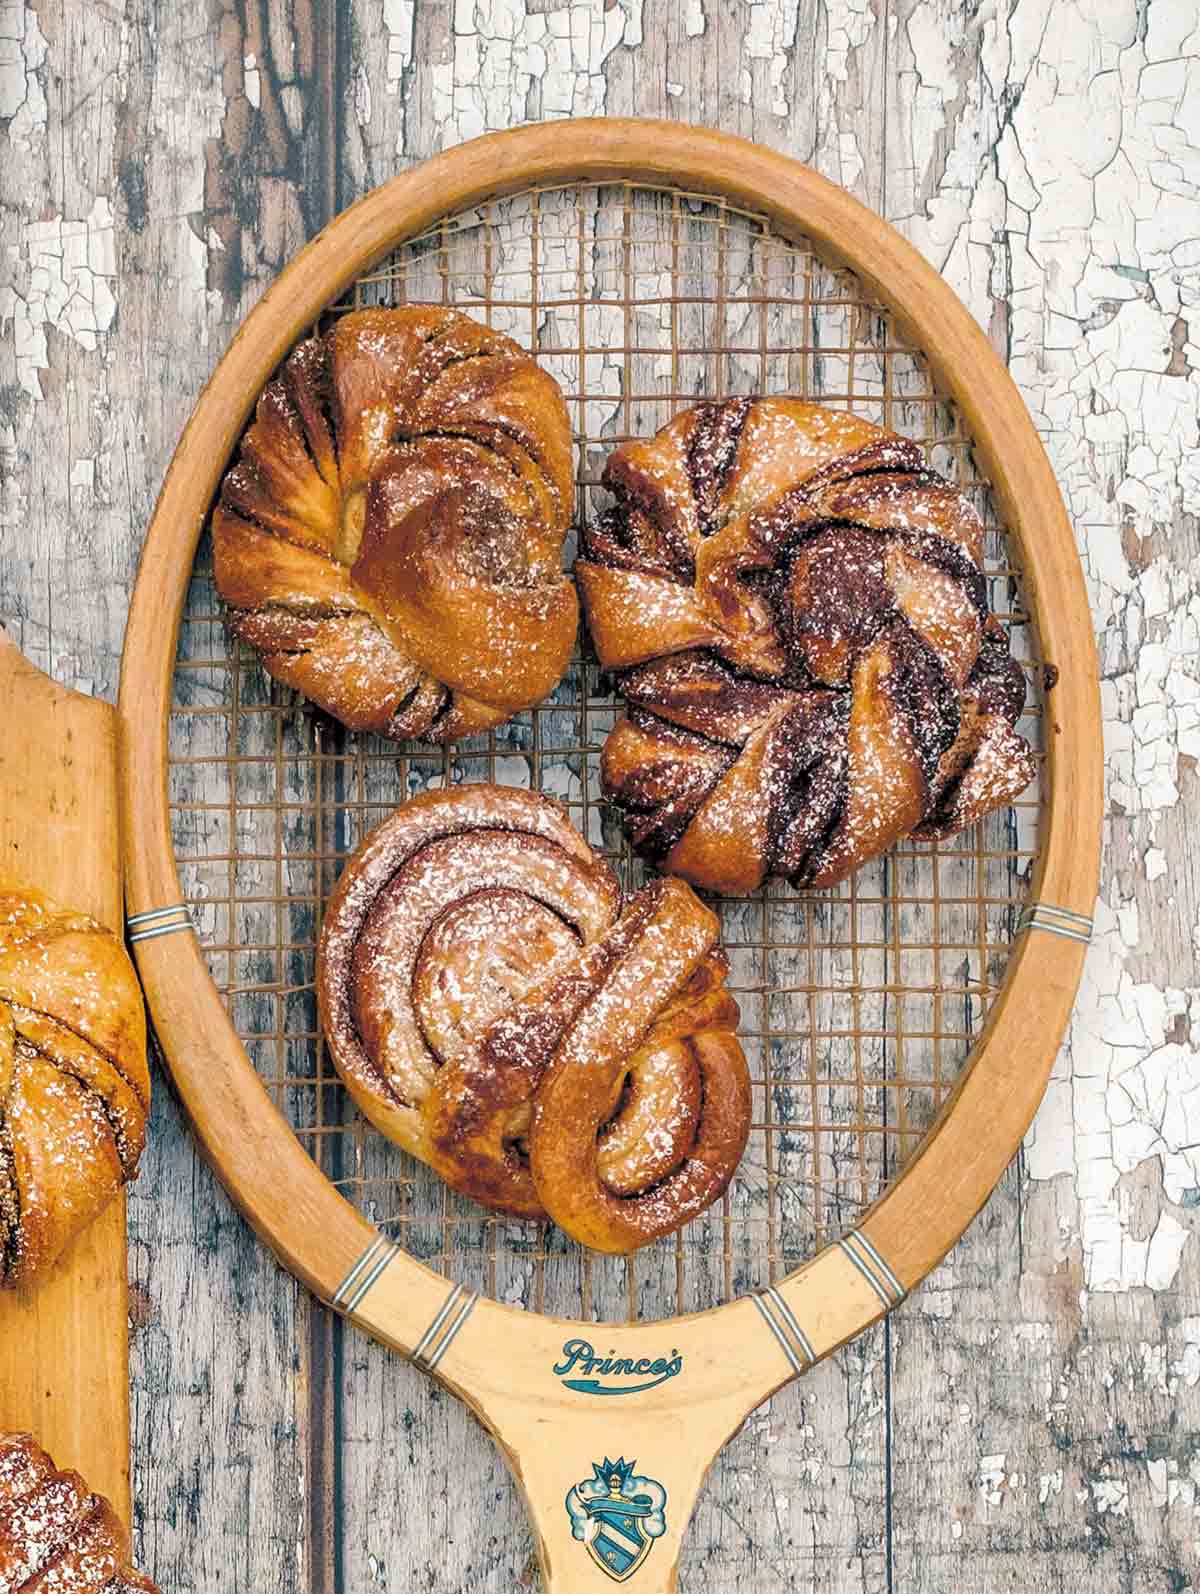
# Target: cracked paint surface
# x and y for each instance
(511, 62)
(22, 56)
(64, 275)
(1093, 280)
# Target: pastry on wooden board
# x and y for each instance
(390, 536)
(56, 1536)
(495, 1006)
(74, 1084)
(798, 613)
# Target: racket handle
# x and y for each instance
(609, 1428)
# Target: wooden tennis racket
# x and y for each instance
(900, 1029)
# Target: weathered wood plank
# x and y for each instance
(226, 168)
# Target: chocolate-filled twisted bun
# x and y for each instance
(799, 615)
(390, 538)
(495, 1008)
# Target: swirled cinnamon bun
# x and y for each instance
(496, 1008)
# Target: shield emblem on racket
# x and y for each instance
(617, 1514)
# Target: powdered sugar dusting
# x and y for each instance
(55, 1534)
(432, 495)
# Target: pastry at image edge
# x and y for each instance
(55, 1534)
(390, 537)
(797, 612)
(74, 1084)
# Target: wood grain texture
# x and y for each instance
(1030, 1419)
(64, 1362)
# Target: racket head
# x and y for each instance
(750, 245)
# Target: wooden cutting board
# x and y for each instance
(64, 1348)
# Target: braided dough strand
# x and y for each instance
(583, 1179)
(74, 1085)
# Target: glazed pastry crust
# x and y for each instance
(495, 1006)
(74, 1085)
(55, 1534)
(799, 618)
(390, 537)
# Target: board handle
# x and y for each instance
(64, 1369)
(609, 1429)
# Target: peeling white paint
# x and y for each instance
(1183, 1489)
(1165, 1252)
(22, 56)
(1122, 1092)
(503, 51)
(64, 277)
(850, 164)
(1109, 1495)
(13, 502)
(850, 23)
(253, 80)
(361, 96)
(770, 37)
(694, 20)
(1187, 1366)
(1099, 273)
(1049, 1483)
(398, 19)
(992, 1479)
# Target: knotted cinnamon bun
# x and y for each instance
(798, 613)
(390, 538)
(74, 1087)
(494, 1007)
(56, 1536)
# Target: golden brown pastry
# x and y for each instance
(494, 1007)
(798, 612)
(74, 1087)
(56, 1536)
(390, 538)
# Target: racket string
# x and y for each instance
(859, 1005)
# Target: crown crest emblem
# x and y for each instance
(617, 1514)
